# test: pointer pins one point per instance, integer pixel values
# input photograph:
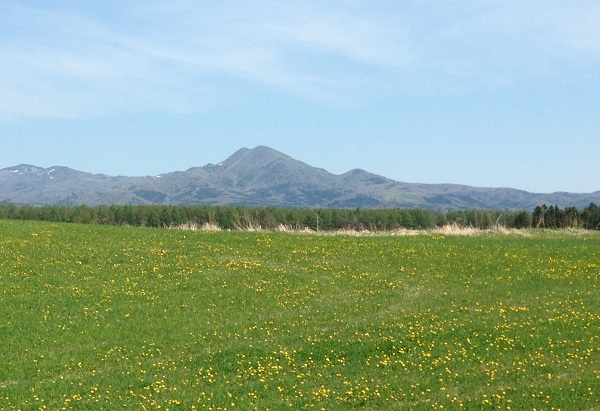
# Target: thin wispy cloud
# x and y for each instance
(179, 56)
(523, 38)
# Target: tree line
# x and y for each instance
(268, 218)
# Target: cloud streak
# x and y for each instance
(182, 56)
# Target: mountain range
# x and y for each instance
(262, 177)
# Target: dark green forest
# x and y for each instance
(268, 218)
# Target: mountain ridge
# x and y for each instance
(263, 176)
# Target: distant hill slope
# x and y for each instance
(262, 177)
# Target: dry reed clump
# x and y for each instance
(194, 226)
(458, 230)
(350, 232)
(455, 229)
(407, 232)
(282, 228)
(510, 231)
(248, 226)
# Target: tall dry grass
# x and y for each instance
(446, 230)
(193, 226)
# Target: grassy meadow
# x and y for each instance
(104, 317)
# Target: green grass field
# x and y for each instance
(99, 317)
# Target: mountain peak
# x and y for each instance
(256, 157)
(23, 168)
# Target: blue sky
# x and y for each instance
(484, 93)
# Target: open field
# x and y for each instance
(104, 317)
